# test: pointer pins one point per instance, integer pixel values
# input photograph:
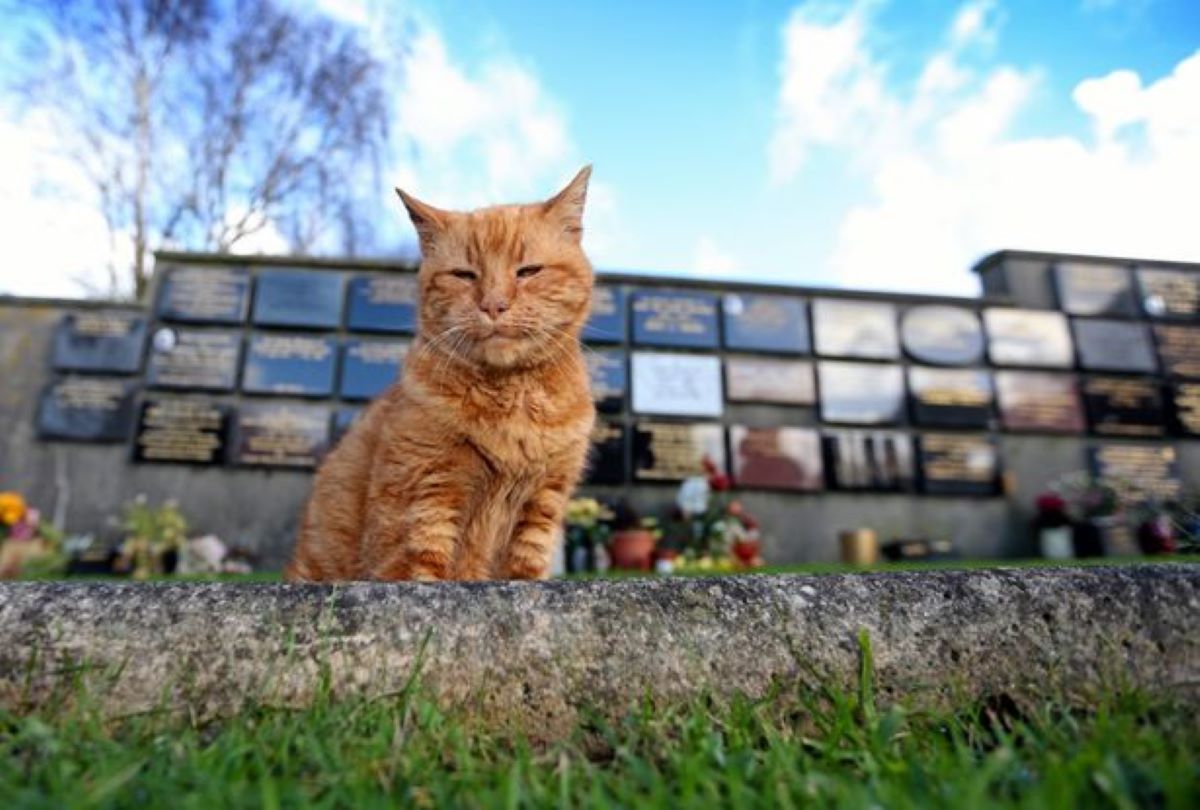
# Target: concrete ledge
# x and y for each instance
(535, 655)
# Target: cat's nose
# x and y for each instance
(493, 305)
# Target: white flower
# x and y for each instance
(693, 496)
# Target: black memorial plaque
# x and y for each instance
(785, 458)
(771, 380)
(861, 393)
(303, 299)
(1118, 406)
(1185, 407)
(1037, 402)
(673, 451)
(1109, 345)
(676, 384)
(606, 461)
(1178, 349)
(182, 431)
(1146, 472)
(766, 323)
(193, 359)
(950, 398)
(343, 420)
(87, 409)
(942, 335)
(210, 295)
(277, 434)
(382, 302)
(861, 460)
(290, 364)
(370, 366)
(675, 319)
(109, 341)
(1028, 337)
(865, 329)
(1170, 294)
(1086, 288)
(954, 464)
(606, 323)
(606, 369)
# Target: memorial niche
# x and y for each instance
(766, 323)
(1027, 337)
(188, 431)
(1146, 472)
(606, 460)
(676, 384)
(193, 359)
(942, 335)
(276, 434)
(771, 380)
(382, 302)
(87, 409)
(958, 398)
(879, 461)
(785, 458)
(290, 364)
(1106, 345)
(1170, 294)
(606, 370)
(669, 451)
(208, 295)
(303, 299)
(1185, 407)
(675, 319)
(606, 323)
(1124, 407)
(370, 366)
(99, 340)
(958, 465)
(1094, 289)
(1037, 402)
(864, 329)
(861, 393)
(1178, 350)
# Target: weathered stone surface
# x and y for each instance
(535, 655)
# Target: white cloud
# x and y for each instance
(949, 181)
(710, 259)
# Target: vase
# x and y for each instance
(632, 549)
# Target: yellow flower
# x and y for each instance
(12, 508)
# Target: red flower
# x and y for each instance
(718, 482)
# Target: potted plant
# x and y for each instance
(28, 545)
(587, 531)
(631, 546)
(1097, 507)
(154, 536)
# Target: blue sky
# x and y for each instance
(865, 144)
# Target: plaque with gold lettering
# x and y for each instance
(950, 397)
(1119, 406)
(307, 299)
(100, 340)
(1095, 288)
(861, 393)
(942, 335)
(785, 458)
(208, 295)
(770, 379)
(194, 359)
(1170, 294)
(675, 319)
(606, 461)
(766, 323)
(673, 451)
(606, 369)
(606, 324)
(1028, 337)
(87, 409)
(182, 431)
(1185, 407)
(1145, 472)
(278, 434)
(676, 384)
(300, 365)
(1039, 402)
(1111, 345)
(865, 329)
(1178, 349)
(955, 464)
(382, 302)
(869, 460)
(370, 366)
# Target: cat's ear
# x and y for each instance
(566, 207)
(428, 221)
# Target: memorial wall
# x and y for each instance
(918, 416)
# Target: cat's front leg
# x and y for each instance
(537, 531)
(413, 528)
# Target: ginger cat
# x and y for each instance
(462, 469)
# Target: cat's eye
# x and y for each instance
(464, 274)
(529, 270)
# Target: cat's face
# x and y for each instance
(504, 287)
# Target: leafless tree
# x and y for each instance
(203, 122)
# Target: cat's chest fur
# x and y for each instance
(527, 434)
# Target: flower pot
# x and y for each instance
(632, 549)
(746, 552)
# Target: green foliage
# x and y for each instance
(162, 527)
